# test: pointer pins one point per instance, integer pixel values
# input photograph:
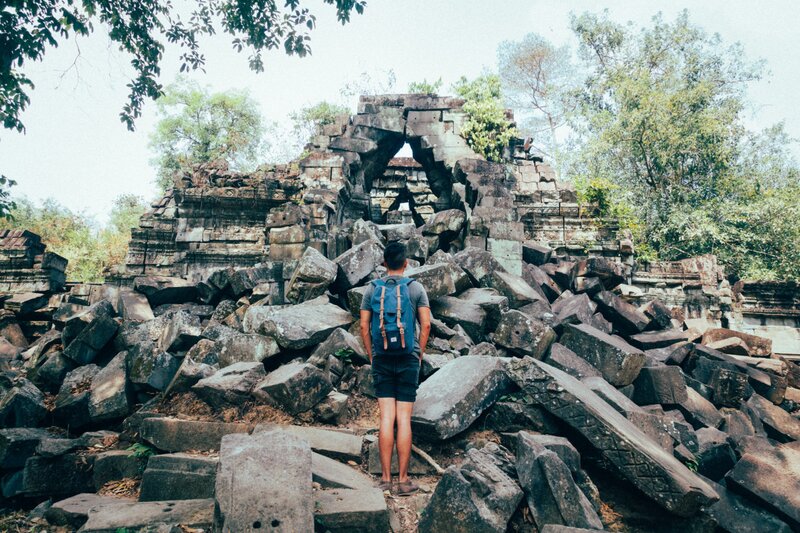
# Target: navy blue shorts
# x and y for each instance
(396, 376)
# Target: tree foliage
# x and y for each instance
(308, 119)
(660, 117)
(487, 129)
(90, 250)
(197, 126)
(141, 28)
(425, 86)
(537, 78)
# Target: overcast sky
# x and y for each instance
(77, 151)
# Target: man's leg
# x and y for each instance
(404, 437)
(386, 436)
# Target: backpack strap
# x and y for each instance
(400, 319)
(383, 328)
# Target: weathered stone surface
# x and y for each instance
(178, 476)
(332, 409)
(509, 417)
(312, 277)
(523, 335)
(21, 403)
(657, 339)
(134, 306)
(618, 361)
(51, 374)
(715, 455)
(479, 264)
(332, 474)
(514, 288)
(477, 496)
(738, 514)
(294, 387)
(660, 384)
(338, 341)
(340, 445)
(264, 481)
(74, 511)
(490, 300)
(565, 359)
(150, 516)
(164, 289)
(537, 277)
(345, 511)
(188, 374)
(553, 496)
(245, 348)
(626, 317)
(435, 278)
(699, 411)
(64, 475)
(304, 325)
(182, 331)
(779, 424)
(17, 444)
(356, 264)
(94, 336)
(150, 368)
(174, 435)
(654, 471)
(230, 385)
(71, 407)
(772, 478)
(116, 464)
(536, 253)
(575, 309)
(450, 400)
(109, 395)
(758, 346)
(453, 311)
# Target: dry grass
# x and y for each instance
(122, 488)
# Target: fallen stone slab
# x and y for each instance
(341, 339)
(553, 496)
(515, 288)
(415, 466)
(738, 514)
(491, 301)
(312, 277)
(454, 311)
(626, 317)
(731, 345)
(479, 264)
(536, 253)
(617, 361)
(779, 424)
(64, 475)
(536, 277)
(341, 445)
(650, 468)
(356, 264)
(715, 456)
(565, 359)
(307, 324)
(134, 306)
(21, 403)
(555, 528)
(293, 387)
(523, 335)
(699, 411)
(17, 444)
(264, 481)
(178, 476)
(187, 375)
(474, 496)
(183, 330)
(150, 368)
(74, 511)
(93, 337)
(148, 516)
(772, 478)
(657, 339)
(330, 473)
(165, 289)
(345, 511)
(758, 346)
(435, 278)
(454, 397)
(114, 465)
(175, 435)
(71, 406)
(245, 347)
(231, 385)
(109, 397)
(660, 384)
(511, 417)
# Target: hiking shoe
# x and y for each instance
(407, 488)
(385, 485)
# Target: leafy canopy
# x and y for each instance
(487, 129)
(425, 86)
(29, 27)
(197, 126)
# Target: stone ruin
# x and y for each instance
(219, 374)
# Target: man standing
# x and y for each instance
(390, 308)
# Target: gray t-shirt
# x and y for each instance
(416, 293)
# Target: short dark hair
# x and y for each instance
(394, 255)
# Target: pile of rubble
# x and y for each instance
(218, 381)
(566, 375)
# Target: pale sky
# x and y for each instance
(77, 151)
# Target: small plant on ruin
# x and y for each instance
(141, 450)
(345, 354)
(487, 129)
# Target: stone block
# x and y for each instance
(231, 385)
(523, 335)
(293, 387)
(175, 435)
(178, 476)
(343, 510)
(660, 384)
(617, 361)
(150, 516)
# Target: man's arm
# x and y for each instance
(366, 336)
(424, 316)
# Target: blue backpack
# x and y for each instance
(393, 317)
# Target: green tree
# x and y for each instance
(660, 118)
(196, 126)
(29, 28)
(536, 78)
(487, 129)
(115, 237)
(425, 86)
(308, 119)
